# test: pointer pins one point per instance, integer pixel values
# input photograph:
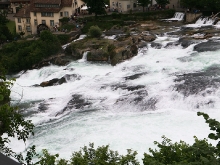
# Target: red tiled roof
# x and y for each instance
(47, 1)
(64, 3)
(17, 1)
(23, 12)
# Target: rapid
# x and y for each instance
(127, 106)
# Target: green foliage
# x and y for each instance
(5, 34)
(163, 3)
(144, 3)
(11, 27)
(95, 32)
(3, 17)
(214, 126)
(63, 38)
(95, 6)
(64, 20)
(102, 25)
(102, 156)
(12, 123)
(201, 152)
(211, 5)
(68, 27)
(17, 56)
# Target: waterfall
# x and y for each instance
(84, 57)
(205, 21)
(178, 16)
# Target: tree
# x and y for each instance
(96, 6)
(3, 17)
(205, 5)
(12, 123)
(5, 33)
(201, 152)
(162, 3)
(144, 3)
(95, 32)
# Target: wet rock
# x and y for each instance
(43, 107)
(156, 45)
(97, 55)
(142, 44)
(53, 82)
(185, 59)
(138, 98)
(135, 76)
(185, 42)
(77, 102)
(125, 87)
(59, 60)
(194, 83)
(171, 44)
(57, 81)
(207, 46)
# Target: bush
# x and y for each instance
(95, 32)
(68, 27)
(63, 38)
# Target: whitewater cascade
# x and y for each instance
(84, 57)
(178, 16)
(128, 106)
(205, 21)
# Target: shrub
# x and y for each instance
(95, 32)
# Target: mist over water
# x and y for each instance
(128, 106)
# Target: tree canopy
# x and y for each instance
(144, 3)
(162, 3)
(95, 6)
(209, 5)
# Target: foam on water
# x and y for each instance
(107, 121)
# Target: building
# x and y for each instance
(4, 5)
(174, 4)
(122, 5)
(23, 21)
(45, 13)
(15, 5)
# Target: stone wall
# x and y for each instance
(192, 17)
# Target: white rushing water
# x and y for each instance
(111, 115)
(178, 16)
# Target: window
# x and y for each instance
(35, 22)
(27, 20)
(28, 28)
(43, 22)
(35, 14)
(46, 14)
(128, 6)
(19, 20)
(61, 14)
(51, 22)
(47, 5)
(19, 28)
(66, 14)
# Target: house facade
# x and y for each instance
(122, 5)
(23, 21)
(46, 12)
(174, 4)
(15, 5)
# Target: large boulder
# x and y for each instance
(207, 46)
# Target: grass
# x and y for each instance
(11, 26)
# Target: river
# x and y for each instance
(127, 106)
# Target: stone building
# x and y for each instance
(45, 13)
(122, 5)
